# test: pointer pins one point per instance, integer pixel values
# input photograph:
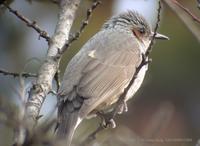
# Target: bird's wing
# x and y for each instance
(102, 69)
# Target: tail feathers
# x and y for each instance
(67, 125)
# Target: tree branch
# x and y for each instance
(23, 74)
(76, 35)
(194, 17)
(29, 23)
(185, 18)
(48, 69)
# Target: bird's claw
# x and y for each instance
(122, 107)
(107, 120)
(109, 123)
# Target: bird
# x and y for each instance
(98, 74)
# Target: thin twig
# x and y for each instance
(29, 23)
(185, 18)
(76, 35)
(155, 29)
(144, 62)
(194, 17)
(123, 95)
(23, 74)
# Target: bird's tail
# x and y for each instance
(68, 122)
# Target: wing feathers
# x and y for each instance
(102, 69)
(107, 77)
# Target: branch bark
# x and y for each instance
(48, 69)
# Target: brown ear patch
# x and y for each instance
(137, 34)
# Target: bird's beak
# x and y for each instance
(160, 36)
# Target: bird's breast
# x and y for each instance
(137, 83)
(107, 104)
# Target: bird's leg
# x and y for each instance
(106, 119)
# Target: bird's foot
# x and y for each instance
(106, 120)
(122, 107)
(109, 123)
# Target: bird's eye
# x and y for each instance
(141, 30)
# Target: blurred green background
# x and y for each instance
(167, 107)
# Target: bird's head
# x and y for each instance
(133, 22)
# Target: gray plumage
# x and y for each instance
(101, 70)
